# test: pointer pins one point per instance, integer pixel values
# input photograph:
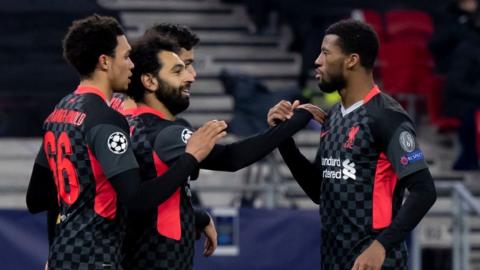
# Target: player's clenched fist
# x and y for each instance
(202, 141)
(318, 114)
(282, 111)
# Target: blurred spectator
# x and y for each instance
(263, 14)
(451, 30)
(462, 94)
(31, 52)
(252, 100)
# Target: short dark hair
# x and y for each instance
(179, 34)
(144, 56)
(356, 37)
(89, 38)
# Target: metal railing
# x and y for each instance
(463, 204)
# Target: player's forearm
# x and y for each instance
(41, 192)
(140, 196)
(422, 196)
(303, 171)
(202, 219)
(243, 153)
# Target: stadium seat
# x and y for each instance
(373, 18)
(408, 24)
(434, 96)
(403, 65)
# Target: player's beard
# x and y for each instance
(172, 97)
(336, 83)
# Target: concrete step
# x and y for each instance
(200, 104)
(169, 5)
(306, 138)
(436, 231)
(251, 53)
(142, 20)
(221, 38)
(18, 148)
(215, 87)
(16, 163)
(196, 119)
(225, 36)
(259, 70)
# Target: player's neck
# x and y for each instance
(159, 106)
(102, 85)
(357, 89)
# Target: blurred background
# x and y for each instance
(253, 53)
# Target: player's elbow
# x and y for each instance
(313, 192)
(315, 200)
(314, 196)
(430, 194)
(423, 187)
(33, 205)
(39, 202)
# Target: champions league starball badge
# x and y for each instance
(186, 134)
(117, 143)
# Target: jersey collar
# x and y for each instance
(128, 112)
(83, 89)
(352, 108)
(142, 109)
(373, 92)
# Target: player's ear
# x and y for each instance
(352, 60)
(149, 82)
(104, 62)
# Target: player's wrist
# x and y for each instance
(302, 112)
(383, 242)
(191, 158)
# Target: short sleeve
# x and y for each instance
(170, 143)
(41, 158)
(399, 143)
(183, 122)
(111, 146)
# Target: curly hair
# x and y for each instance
(89, 38)
(144, 55)
(356, 37)
(179, 34)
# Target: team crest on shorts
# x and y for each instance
(186, 134)
(117, 143)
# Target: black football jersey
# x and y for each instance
(164, 238)
(364, 152)
(86, 143)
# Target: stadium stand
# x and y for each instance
(34, 77)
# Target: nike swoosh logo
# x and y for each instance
(323, 133)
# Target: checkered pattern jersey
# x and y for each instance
(349, 155)
(91, 230)
(146, 247)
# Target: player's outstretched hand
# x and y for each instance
(282, 111)
(210, 239)
(318, 114)
(202, 141)
(370, 259)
